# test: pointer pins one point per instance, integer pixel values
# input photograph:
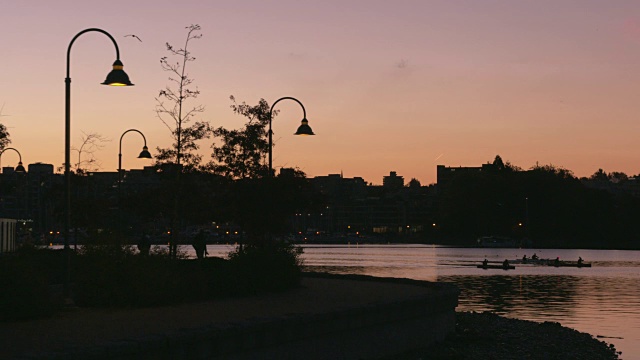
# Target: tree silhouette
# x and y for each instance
(241, 153)
(498, 164)
(618, 177)
(599, 175)
(414, 183)
(171, 108)
(4, 134)
(557, 209)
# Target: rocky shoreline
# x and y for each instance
(489, 336)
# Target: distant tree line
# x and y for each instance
(546, 204)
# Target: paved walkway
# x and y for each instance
(93, 327)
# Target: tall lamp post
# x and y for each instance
(144, 154)
(117, 77)
(18, 168)
(303, 129)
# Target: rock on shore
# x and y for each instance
(489, 336)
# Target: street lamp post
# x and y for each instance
(117, 77)
(144, 154)
(18, 168)
(303, 129)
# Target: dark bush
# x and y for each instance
(116, 276)
(25, 284)
(264, 267)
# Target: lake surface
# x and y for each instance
(602, 300)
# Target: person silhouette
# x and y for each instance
(144, 244)
(200, 245)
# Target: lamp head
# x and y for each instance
(145, 154)
(304, 128)
(20, 168)
(117, 76)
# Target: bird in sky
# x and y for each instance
(134, 37)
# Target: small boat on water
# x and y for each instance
(550, 262)
(496, 266)
(532, 261)
(568, 264)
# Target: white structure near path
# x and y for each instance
(7, 235)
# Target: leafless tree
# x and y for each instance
(172, 110)
(90, 144)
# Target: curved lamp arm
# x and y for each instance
(304, 118)
(144, 148)
(138, 131)
(304, 112)
(10, 148)
(84, 31)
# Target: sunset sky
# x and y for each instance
(388, 85)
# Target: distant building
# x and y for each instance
(27, 196)
(341, 193)
(287, 172)
(41, 205)
(356, 209)
(393, 181)
(339, 186)
(40, 168)
(445, 173)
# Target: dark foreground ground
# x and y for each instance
(478, 335)
(488, 336)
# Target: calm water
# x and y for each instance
(602, 300)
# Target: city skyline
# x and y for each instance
(387, 87)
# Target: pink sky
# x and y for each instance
(388, 85)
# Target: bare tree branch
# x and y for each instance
(174, 113)
(90, 144)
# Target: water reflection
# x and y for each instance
(552, 296)
(603, 300)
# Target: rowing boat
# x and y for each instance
(569, 264)
(509, 267)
